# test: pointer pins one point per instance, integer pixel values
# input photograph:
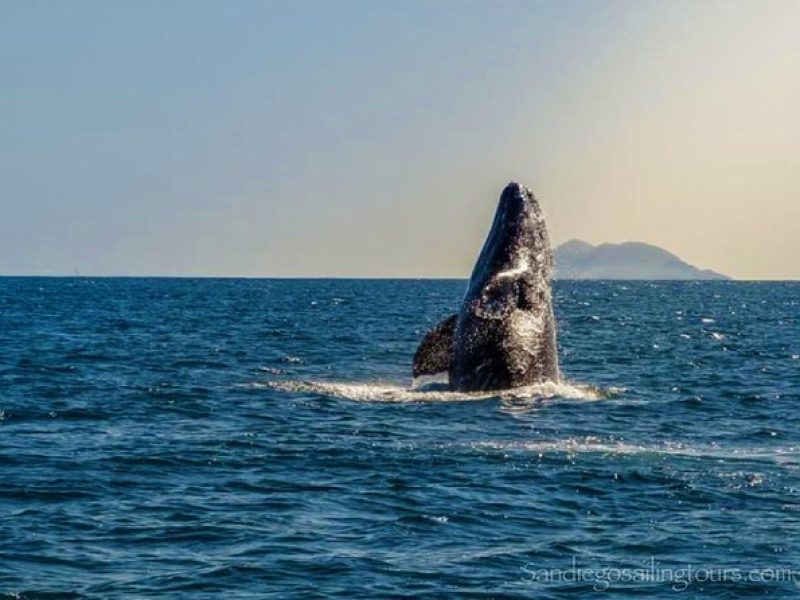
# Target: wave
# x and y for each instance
(437, 392)
(788, 456)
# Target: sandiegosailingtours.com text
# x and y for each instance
(679, 578)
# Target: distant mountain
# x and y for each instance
(631, 260)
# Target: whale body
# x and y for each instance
(504, 333)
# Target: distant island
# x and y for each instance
(577, 259)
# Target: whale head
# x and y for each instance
(515, 266)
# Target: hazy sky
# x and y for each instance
(373, 138)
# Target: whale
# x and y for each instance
(504, 333)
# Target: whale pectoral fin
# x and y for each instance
(436, 350)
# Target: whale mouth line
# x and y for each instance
(520, 269)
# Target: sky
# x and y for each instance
(342, 138)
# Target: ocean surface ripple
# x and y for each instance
(208, 438)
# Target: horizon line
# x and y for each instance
(366, 278)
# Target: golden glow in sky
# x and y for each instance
(373, 139)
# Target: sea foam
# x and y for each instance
(436, 392)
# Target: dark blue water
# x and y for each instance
(255, 438)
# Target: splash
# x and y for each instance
(436, 392)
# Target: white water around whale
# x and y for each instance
(434, 392)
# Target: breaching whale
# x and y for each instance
(504, 334)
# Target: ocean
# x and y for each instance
(252, 438)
